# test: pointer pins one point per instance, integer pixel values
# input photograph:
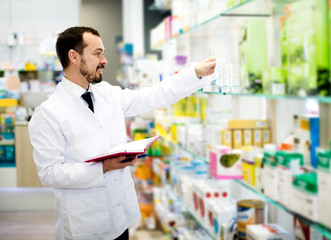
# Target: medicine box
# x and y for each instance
(269, 175)
(258, 160)
(304, 195)
(308, 48)
(224, 219)
(324, 187)
(247, 124)
(266, 232)
(248, 166)
(237, 138)
(247, 137)
(266, 136)
(257, 137)
(225, 163)
(306, 137)
(226, 138)
(288, 164)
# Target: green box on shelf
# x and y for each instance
(308, 54)
(306, 183)
(270, 159)
(253, 54)
(304, 197)
(286, 158)
(324, 161)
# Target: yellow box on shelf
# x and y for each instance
(226, 138)
(247, 137)
(8, 102)
(248, 166)
(247, 123)
(237, 138)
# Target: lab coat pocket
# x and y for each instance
(87, 211)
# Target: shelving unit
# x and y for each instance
(219, 35)
(249, 8)
(319, 227)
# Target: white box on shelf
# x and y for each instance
(269, 176)
(266, 232)
(288, 164)
(303, 199)
(224, 215)
(324, 187)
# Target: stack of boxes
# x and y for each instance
(238, 137)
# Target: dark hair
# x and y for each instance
(72, 38)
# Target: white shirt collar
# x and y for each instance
(74, 88)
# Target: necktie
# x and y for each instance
(87, 97)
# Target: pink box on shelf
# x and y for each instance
(225, 163)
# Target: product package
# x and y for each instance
(248, 166)
(245, 124)
(223, 219)
(249, 212)
(288, 164)
(266, 232)
(237, 138)
(225, 163)
(308, 53)
(253, 54)
(303, 199)
(269, 175)
(306, 138)
(324, 185)
(274, 81)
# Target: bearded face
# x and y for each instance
(93, 75)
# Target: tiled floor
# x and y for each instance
(27, 225)
(40, 226)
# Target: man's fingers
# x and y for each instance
(210, 59)
(211, 64)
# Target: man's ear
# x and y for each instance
(73, 56)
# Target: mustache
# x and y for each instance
(101, 67)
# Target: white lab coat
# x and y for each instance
(64, 133)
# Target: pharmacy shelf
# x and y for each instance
(248, 8)
(180, 145)
(270, 96)
(317, 226)
(192, 153)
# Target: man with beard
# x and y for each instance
(85, 117)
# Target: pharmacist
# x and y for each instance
(85, 117)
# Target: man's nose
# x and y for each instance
(104, 61)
